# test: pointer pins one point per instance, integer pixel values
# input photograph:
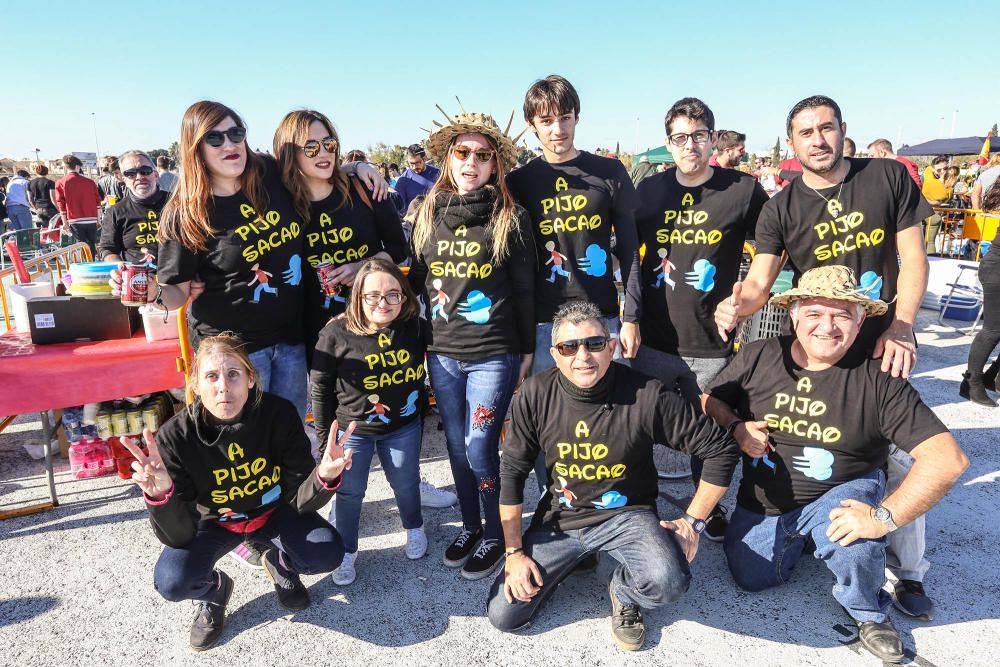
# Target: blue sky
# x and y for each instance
(896, 68)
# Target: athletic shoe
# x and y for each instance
(627, 628)
(416, 543)
(346, 574)
(292, 595)
(881, 639)
(484, 561)
(249, 555)
(909, 597)
(716, 524)
(435, 498)
(210, 615)
(460, 550)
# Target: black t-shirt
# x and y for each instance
(129, 228)
(376, 380)
(855, 227)
(345, 235)
(598, 444)
(827, 427)
(575, 208)
(477, 308)
(40, 189)
(694, 242)
(252, 270)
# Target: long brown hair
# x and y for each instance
(355, 319)
(292, 133)
(504, 221)
(226, 343)
(185, 217)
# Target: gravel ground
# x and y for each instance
(78, 586)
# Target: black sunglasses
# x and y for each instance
(138, 171)
(568, 348)
(215, 138)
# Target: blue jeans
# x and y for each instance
(399, 453)
(310, 546)
(473, 397)
(20, 216)
(652, 569)
(763, 550)
(281, 369)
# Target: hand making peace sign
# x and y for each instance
(149, 473)
(336, 459)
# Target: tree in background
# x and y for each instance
(993, 131)
(382, 153)
(157, 152)
(776, 153)
(175, 152)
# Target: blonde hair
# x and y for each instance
(229, 344)
(503, 222)
(185, 217)
(355, 319)
(292, 133)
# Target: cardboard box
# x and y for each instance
(67, 319)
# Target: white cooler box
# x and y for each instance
(153, 322)
(18, 300)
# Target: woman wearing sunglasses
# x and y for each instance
(368, 369)
(474, 259)
(341, 223)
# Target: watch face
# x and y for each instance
(698, 526)
(882, 514)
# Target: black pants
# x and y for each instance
(86, 232)
(988, 337)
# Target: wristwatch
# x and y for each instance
(884, 516)
(697, 524)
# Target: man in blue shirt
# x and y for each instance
(418, 179)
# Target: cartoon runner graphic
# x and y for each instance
(566, 496)
(439, 300)
(556, 259)
(147, 258)
(261, 276)
(378, 410)
(666, 266)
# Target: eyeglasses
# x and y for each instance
(698, 137)
(311, 147)
(138, 171)
(215, 138)
(374, 298)
(568, 348)
(483, 155)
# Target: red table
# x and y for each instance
(36, 378)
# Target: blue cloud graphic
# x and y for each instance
(871, 284)
(611, 500)
(411, 404)
(814, 462)
(476, 308)
(702, 277)
(595, 261)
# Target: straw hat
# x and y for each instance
(468, 123)
(830, 282)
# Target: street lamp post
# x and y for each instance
(37, 159)
(97, 143)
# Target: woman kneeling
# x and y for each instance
(235, 464)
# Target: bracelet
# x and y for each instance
(513, 550)
(731, 429)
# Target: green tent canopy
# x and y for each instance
(655, 155)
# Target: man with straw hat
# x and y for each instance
(815, 416)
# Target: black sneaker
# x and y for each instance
(627, 628)
(881, 639)
(484, 561)
(460, 550)
(249, 554)
(716, 524)
(909, 597)
(210, 614)
(292, 595)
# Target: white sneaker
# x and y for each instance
(346, 574)
(416, 543)
(435, 498)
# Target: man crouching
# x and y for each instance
(596, 423)
(820, 417)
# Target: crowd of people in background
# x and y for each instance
(590, 307)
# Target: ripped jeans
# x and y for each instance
(473, 397)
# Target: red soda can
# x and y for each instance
(135, 284)
(323, 270)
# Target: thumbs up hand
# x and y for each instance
(727, 313)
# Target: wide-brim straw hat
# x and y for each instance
(830, 282)
(472, 123)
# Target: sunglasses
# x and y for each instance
(568, 348)
(236, 134)
(138, 171)
(374, 298)
(680, 139)
(311, 147)
(484, 155)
